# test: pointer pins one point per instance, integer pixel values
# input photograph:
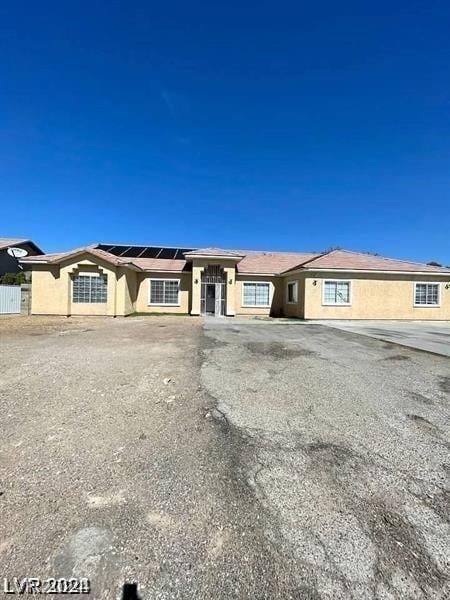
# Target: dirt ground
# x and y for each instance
(112, 467)
(17, 324)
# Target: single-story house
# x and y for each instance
(108, 279)
(12, 249)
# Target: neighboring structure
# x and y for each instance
(107, 279)
(9, 256)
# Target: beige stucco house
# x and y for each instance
(119, 280)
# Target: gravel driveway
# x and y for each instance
(345, 444)
(236, 461)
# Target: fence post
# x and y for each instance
(25, 299)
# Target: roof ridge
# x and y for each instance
(403, 260)
(307, 262)
(291, 252)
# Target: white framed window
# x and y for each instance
(292, 292)
(336, 292)
(427, 294)
(89, 289)
(256, 294)
(164, 292)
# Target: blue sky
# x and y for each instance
(289, 126)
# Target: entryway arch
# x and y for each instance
(213, 291)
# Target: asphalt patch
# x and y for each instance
(330, 455)
(440, 504)
(400, 544)
(424, 425)
(444, 384)
(277, 350)
(420, 398)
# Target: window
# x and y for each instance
(292, 292)
(89, 289)
(256, 294)
(426, 294)
(336, 293)
(164, 291)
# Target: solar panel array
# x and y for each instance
(128, 251)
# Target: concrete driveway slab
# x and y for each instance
(423, 335)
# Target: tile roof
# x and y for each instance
(215, 252)
(56, 258)
(42, 258)
(272, 262)
(254, 262)
(159, 264)
(344, 259)
(145, 264)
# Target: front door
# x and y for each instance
(210, 299)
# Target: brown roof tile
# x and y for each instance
(272, 262)
(146, 264)
(215, 252)
(344, 259)
(159, 264)
(57, 258)
(254, 262)
(43, 258)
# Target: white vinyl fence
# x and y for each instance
(9, 299)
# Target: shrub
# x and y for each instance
(13, 278)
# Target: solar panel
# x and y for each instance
(127, 251)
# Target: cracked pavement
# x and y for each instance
(346, 449)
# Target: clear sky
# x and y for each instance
(288, 126)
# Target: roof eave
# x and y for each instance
(164, 271)
(258, 274)
(33, 262)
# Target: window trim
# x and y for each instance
(350, 292)
(257, 305)
(438, 305)
(150, 303)
(295, 294)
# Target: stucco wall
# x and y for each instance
(49, 292)
(126, 291)
(142, 300)
(276, 292)
(377, 296)
(374, 296)
(198, 265)
(298, 308)
(52, 289)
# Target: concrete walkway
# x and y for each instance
(429, 336)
